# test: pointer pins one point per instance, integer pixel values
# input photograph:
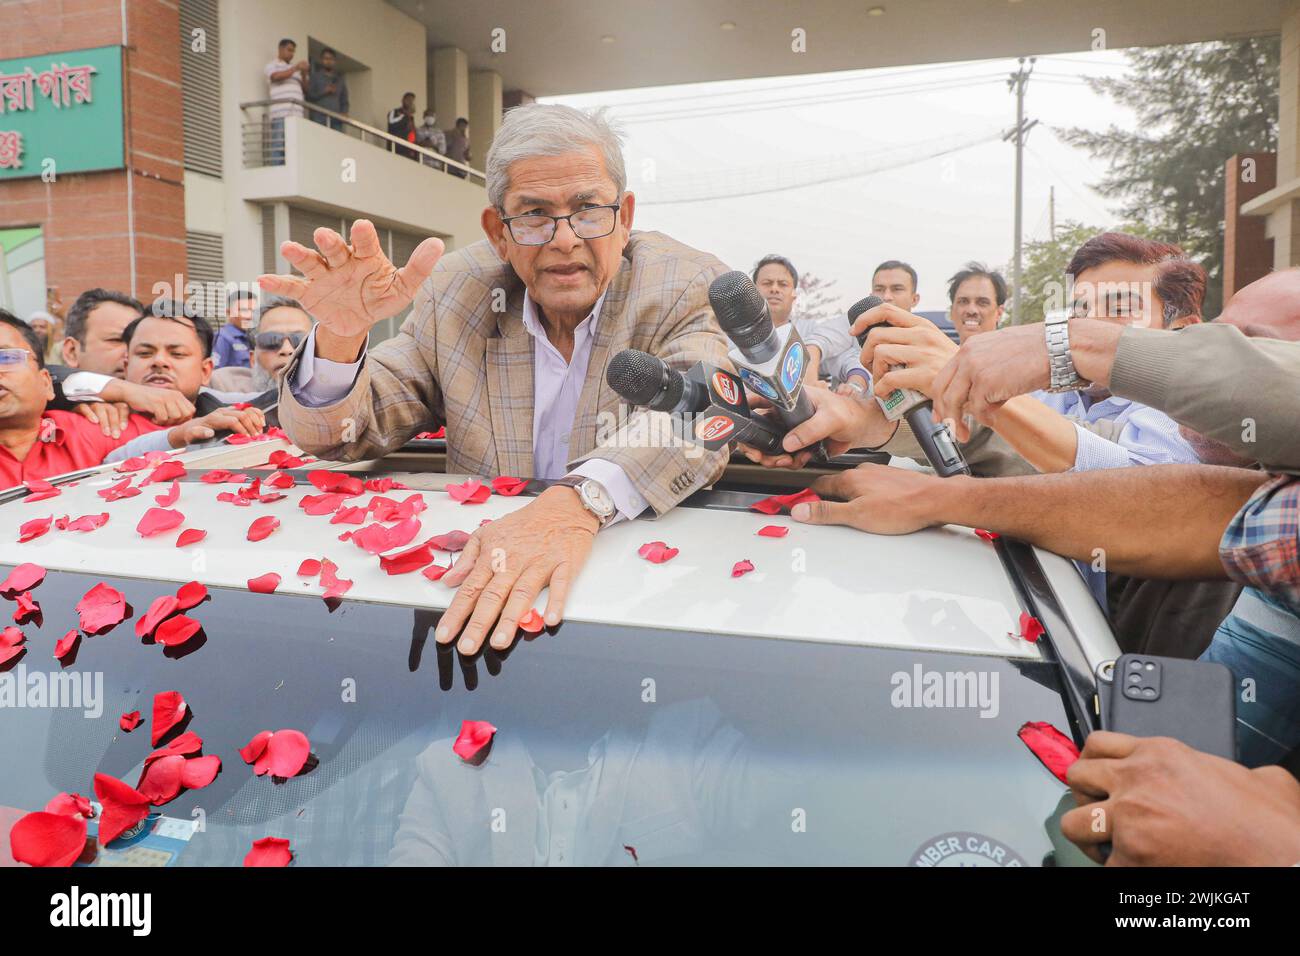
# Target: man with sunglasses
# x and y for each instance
(36, 441)
(278, 328)
(507, 345)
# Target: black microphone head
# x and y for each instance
(864, 305)
(741, 310)
(641, 379)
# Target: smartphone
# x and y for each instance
(1191, 701)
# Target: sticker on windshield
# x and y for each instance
(965, 849)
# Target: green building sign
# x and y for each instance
(61, 113)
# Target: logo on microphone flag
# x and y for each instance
(726, 388)
(758, 384)
(714, 427)
(792, 368)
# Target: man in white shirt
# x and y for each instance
(286, 83)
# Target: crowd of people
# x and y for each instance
(301, 87)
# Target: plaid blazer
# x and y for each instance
(461, 362)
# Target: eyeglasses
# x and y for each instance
(10, 359)
(535, 229)
(274, 341)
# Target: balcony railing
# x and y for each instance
(263, 138)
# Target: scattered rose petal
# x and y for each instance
(281, 754)
(264, 584)
(280, 480)
(169, 498)
(450, 542)
(656, 552)
(169, 709)
(407, 561)
(335, 586)
(309, 568)
(190, 595)
(160, 781)
(532, 622)
(190, 536)
(741, 567)
(509, 487)
(987, 535)
(161, 608)
(779, 503)
(71, 805)
(184, 744)
(198, 772)
(102, 608)
(269, 851)
(375, 538)
(85, 522)
(166, 471)
(25, 577)
(66, 643)
(1053, 748)
(48, 839)
(175, 631)
(471, 492)
(474, 736)
(336, 482)
(11, 643)
(435, 571)
(124, 807)
(1031, 629)
(34, 528)
(349, 515)
(382, 485)
(321, 504)
(158, 520)
(131, 464)
(118, 491)
(128, 722)
(773, 531)
(262, 527)
(26, 609)
(39, 489)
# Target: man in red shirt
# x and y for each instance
(36, 442)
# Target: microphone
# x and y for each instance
(771, 361)
(935, 439)
(708, 404)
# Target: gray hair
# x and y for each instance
(549, 129)
(277, 302)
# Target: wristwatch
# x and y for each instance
(1065, 377)
(593, 496)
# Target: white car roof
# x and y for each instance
(938, 590)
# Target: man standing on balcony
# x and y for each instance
(458, 146)
(401, 123)
(285, 82)
(328, 89)
(507, 345)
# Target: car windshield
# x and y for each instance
(614, 745)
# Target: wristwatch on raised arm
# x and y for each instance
(593, 495)
(1065, 377)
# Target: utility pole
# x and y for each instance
(1051, 212)
(1017, 82)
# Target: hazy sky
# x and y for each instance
(883, 151)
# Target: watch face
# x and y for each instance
(598, 498)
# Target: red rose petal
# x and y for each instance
(86, 522)
(168, 499)
(987, 535)
(474, 736)
(39, 489)
(261, 528)
(198, 772)
(169, 709)
(435, 571)
(124, 807)
(158, 520)
(166, 471)
(34, 528)
(321, 504)
(118, 491)
(283, 753)
(773, 531)
(407, 561)
(509, 487)
(265, 584)
(184, 744)
(190, 536)
(103, 607)
(25, 577)
(657, 552)
(175, 631)
(1053, 748)
(309, 568)
(741, 567)
(48, 839)
(71, 805)
(382, 485)
(11, 637)
(471, 492)
(779, 503)
(131, 464)
(349, 515)
(451, 542)
(161, 608)
(26, 608)
(1031, 629)
(269, 851)
(336, 482)
(255, 747)
(160, 781)
(375, 538)
(190, 595)
(9, 651)
(280, 481)
(66, 643)
(128, 722)
(334, 586)
(532, 622)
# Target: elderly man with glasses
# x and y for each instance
(279, 327)
(507, 345)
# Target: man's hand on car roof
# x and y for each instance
(241, 421)
(508, 562)
(876, 498)
(1158, 802)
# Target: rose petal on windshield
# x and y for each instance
(451, 542)
(269, 851)
(25, 577)
(158, 520)
(309, 568)
(741, 567)
(128, 722)
(773, 531)
(71, 805)
(281, 754)
(118, 491)
(783, 503)
(124, 807)
(407, 561)
(507, 486)
(264, 584)
(190, 536)
(255, 747)
(102, 608)
(66, 643)
(190, 595)
(86, 522)
(26, 609)
(1031, 629)
(1053, 748)
(471, 492)
(169, 709)
(184, 744)
(161, 608)
(160, 781)
(656, 552)
(34, 528)
(474, 736)
(175, 631)
(262, 527)
(48, 839)
(532, 622)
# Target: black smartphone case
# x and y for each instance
(1193, 701)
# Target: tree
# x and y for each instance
(1196, 106)
(815, 300)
